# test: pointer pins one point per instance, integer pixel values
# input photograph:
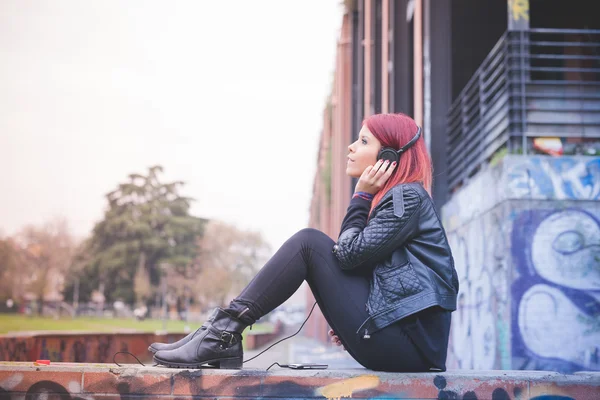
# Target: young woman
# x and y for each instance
(387, 286)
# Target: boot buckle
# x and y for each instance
(227, 337)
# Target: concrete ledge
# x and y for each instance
(108, 381)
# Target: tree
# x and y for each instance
(45, 254)
(12, 274)
(141, 282)
(146, 228)
(228, 258)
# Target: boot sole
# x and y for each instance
(221, 363)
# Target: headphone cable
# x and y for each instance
(277, 342)
(285, 338)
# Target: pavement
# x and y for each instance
(299, 349)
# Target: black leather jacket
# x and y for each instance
(406, 245)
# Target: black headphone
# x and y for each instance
(393, 155)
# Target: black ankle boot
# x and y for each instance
(219, 345)
(154, 347)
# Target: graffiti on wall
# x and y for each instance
(14, 348)
(556, 256)
(556, 296)
(69, 347)
(468, 203)
(199, 384)
(519, 9)
(524, 177)
(480, 331)
(538, 252)
(77, 347)
(553, 178)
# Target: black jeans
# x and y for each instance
(341, 296)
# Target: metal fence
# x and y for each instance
(533, 83)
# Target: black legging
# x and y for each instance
(341, 295)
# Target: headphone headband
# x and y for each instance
(411, 142)
(393, 155)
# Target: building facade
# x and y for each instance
(507, 93)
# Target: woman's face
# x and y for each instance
(363, 153)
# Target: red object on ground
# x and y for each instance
(43, 362)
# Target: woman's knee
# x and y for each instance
(311, 234)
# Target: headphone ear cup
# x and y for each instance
(387, 153)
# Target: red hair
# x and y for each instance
(396, 130)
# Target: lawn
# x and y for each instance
(15, 323)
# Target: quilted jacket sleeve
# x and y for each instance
(392, 222)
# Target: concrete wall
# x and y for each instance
(525, 235)
(80, 347)
(89, 347)
(106, 381)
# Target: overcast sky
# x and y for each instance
(226, 95)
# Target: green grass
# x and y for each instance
(17, 323)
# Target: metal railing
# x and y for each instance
(533, 83)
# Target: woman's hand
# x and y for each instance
(374, 177)
(335, 339)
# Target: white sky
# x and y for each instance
(226, 95)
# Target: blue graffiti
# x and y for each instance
(555, 178)
(556, 307)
